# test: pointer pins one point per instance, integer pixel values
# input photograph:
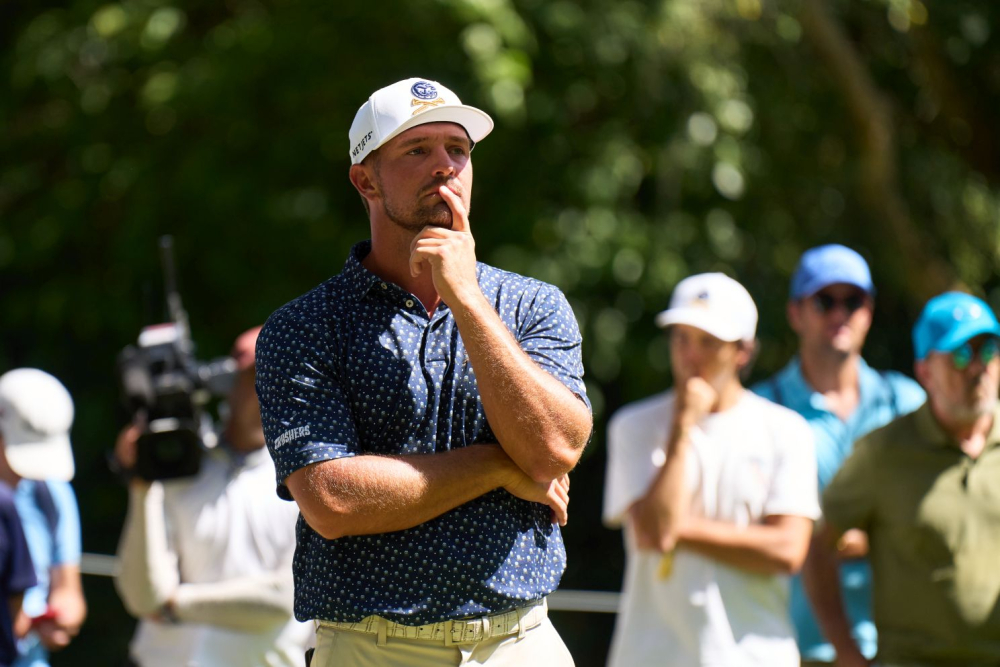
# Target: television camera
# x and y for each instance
(167, 389)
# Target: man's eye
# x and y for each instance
(416, 151)
(459, 150)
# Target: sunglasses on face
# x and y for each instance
(824, 302)
(962, 356)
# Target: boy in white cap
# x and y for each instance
(36, 459)
(423, 410)
(716, 490)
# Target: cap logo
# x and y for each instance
(701, 300)
(424, 90)
(424, 106)
(974, 312)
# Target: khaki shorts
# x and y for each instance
(519, 638)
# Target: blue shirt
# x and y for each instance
(17, 574)
(356, 366)
(48, 550)
(884, 396)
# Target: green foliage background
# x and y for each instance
(637, 141)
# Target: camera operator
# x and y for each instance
(205, 561)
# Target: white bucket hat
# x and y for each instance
(36, 413)
(408, 103)
(714, 303)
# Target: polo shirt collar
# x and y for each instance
(797, 390)
(932, 434)
(796, 385)
(357, 278)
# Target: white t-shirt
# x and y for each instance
(749, 462)
(223, 542)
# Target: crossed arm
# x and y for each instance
(661, 520)
(369, 494)
(541, 425)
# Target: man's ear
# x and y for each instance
(921, 372)
(793, 311)
(363, 180)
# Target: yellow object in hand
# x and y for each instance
(666, 565)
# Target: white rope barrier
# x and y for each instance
(603, 602)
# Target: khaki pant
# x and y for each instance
(374, 647)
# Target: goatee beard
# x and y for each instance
(437, 216)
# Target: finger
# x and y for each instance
(427, 250)
(558, 503)
(560, 492)
(559, 514)
(417, 259)
(459, 216)
(426, 233)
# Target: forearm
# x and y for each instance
(247, 604)
(370, 494)
(147, 568)
(539, 422)
(821, 579)
(658, 516)
(66, 596)
(763, 549)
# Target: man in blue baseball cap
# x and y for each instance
(924, 488)
(830, 308)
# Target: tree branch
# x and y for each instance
(924, 271)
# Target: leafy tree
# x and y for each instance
(637, 142)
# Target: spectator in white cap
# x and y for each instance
(423, 409)
(36, 459)
(716, 491)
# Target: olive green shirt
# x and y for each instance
(932, 515)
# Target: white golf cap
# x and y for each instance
(714, 303)
(405, 104)
(36, 413)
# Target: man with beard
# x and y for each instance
(924, 489)
(423, 410)
(830, 308)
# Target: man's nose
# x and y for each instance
(444, 162)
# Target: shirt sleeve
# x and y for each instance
(19, 571)
(148, 565)
(551, 338)
(253, 603)
(849, 499)
(67, 547)
(793, 488)
(304, 409)
(909, 394)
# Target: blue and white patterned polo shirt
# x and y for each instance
(356, 366)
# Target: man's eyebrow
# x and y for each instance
(454, 138)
